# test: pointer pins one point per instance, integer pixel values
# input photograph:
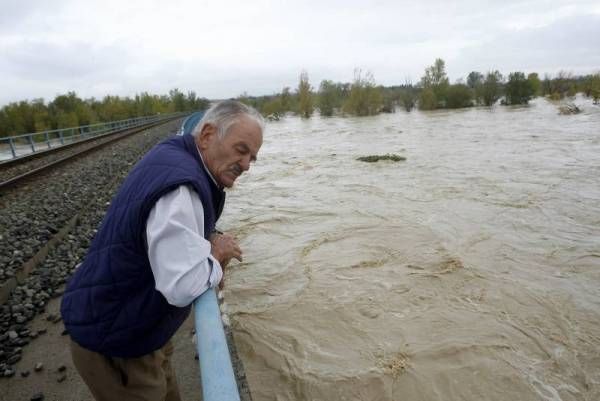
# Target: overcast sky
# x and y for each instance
(221, 48)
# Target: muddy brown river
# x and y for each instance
(470, 271)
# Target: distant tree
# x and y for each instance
(328, 98)
(305, 102)
(536, 84)
(518, 89)
(69, 110)
(177, 100)
(435, 78)
(595, 88)
(408, 97)
(41, 117)
(561, 85)
(491, 89)
(365, 98)
(286, 99)
(458, 96)
(65, 110)
(474, 79)
(547, 85)
(85, 114)
(427, 99)
(388, 102)
(273, 107)
(66, 119)
(435, 75)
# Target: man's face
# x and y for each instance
(228, 158)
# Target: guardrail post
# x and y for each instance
(48, 139)
(30, 137)
(62, 138)
(12, 147)
(218, 379)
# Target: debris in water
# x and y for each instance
(376, 158)
(569, 108)
(396, 365)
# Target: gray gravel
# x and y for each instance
(32, 213)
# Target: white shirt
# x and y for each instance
(179, 255)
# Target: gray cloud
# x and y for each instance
(570, 44)
(221, 49)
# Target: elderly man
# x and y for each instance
(155, 252)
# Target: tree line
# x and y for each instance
(363, 97)
(70, 110)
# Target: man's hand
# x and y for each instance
(223, 248)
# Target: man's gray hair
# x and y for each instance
(226, 113)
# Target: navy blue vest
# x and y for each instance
(111, 305)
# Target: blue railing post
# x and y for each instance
(218, 379)
(31, 143)
(12, 147)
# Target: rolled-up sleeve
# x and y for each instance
(179, 255)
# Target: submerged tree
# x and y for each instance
(305, 102)
(365, 98)
(491, 89)
(518, 89)
(329, 98)
(595, 88)
(474, 79)
(458, 96)
(407, 96)
(536, 84)
(286, 99)
(436, 80)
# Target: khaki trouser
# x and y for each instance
(147, 378)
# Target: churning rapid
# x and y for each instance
(470, 271)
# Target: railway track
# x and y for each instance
(14, 171)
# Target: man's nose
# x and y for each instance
(245, 163)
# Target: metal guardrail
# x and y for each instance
(16, 146)
(190, 123)
(216, 371)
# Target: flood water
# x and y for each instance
(470, 271)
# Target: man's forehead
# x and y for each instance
(245, 130)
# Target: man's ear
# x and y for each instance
(207, 134)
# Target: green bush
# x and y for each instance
(458, 96)
(427, 100)
(365, 98)
(491, 89)
(408, 98)
(518, 89)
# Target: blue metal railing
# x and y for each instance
(216, 371)
(20, 145)
(190, 123)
